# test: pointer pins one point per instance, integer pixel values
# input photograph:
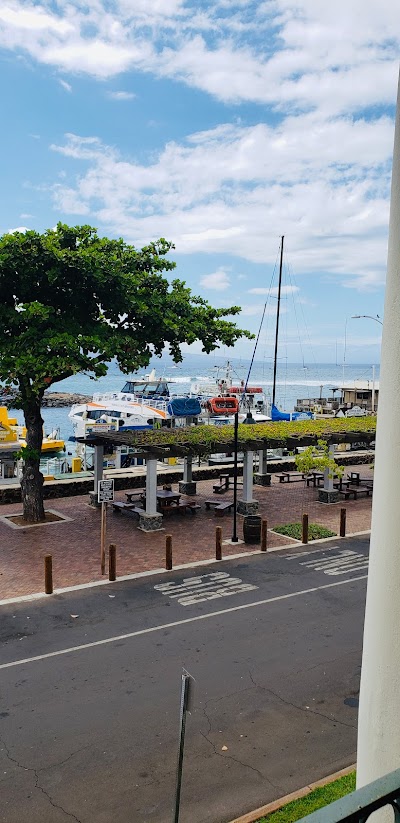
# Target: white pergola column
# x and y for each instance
(187, 485)
(379, 714)
(247, 505)
(98, 460)
(151, 520)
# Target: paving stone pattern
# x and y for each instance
(75, 544)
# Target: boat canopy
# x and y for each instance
(184, 407)
(278, 415)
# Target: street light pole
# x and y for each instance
(369, 316)
(235, 452)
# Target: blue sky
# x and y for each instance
(220, 126)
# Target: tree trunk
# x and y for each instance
(32, 478)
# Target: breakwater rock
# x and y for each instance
(50, 400)
(61, 399)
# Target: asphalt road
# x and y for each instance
(89, 689)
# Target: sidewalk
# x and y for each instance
(75, 544)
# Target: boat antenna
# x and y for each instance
(277, 322)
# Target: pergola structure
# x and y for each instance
(201, 441)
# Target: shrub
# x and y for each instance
(315, 532)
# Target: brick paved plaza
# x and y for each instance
(75, 544)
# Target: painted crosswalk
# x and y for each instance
(333, 561)
(197, 589)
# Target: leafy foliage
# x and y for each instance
(317, 458)
(205, 439)
(71, 301)
(315, 532)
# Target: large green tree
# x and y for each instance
(71, 301)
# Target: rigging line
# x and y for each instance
(295, 288)
(259, 330)
(307, 331)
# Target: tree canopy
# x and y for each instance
(71, 301)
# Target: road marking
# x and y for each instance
(182, 622)
(342, 563)
(192, 590)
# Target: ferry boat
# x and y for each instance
(142, 403)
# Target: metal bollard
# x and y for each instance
(264, 530)
(304, 529)
(112, 562)
(342, 523)
(218, 543)
(168, 552)
(48, 574)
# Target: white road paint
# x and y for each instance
(192, 590)
(344, 562)
(175, 623)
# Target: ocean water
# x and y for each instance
(294, 381)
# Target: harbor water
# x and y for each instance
(294, 382)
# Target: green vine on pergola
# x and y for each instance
(204, 439)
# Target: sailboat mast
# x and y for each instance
(277, 322)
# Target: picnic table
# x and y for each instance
(288, 477)
(314, 477)
(219, 506)
(133, 496)
(355, 478)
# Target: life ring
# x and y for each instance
(223, 405)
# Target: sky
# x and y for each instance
(221, 126)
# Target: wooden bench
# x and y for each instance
(290, 477)
(127, 508)
(223, 485)
(182, 506)
(356, 491)
(219, 507)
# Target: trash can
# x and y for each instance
(252, 528)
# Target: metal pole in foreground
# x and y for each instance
(185, 693)
(235, 477)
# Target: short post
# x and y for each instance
(304, 529)
(218, 543)
(168, 552)
(112, 562)
(103, 538)
(264, 530)
(48, 574)
(342, 522)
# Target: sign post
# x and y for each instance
(186, 688)
(105, 494)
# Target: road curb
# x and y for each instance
(27, 598)
(252, 817)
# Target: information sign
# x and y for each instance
(105, 491)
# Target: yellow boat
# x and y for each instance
(13, 436)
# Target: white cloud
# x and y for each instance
(323, 182)
(285, 290)
(121, 95)
(218, 280)
(18, 229)
(66, 86)
(286, 53)
(26, 216)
